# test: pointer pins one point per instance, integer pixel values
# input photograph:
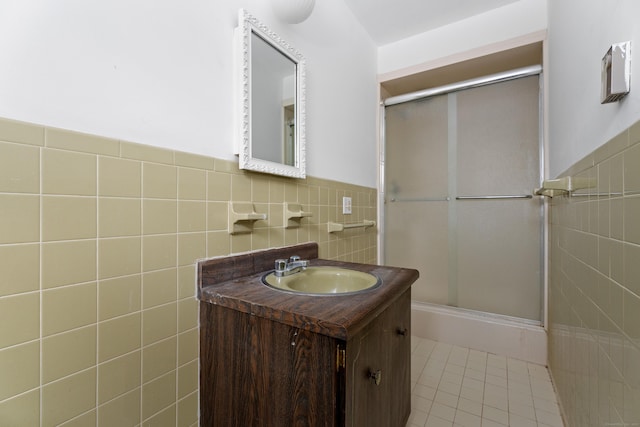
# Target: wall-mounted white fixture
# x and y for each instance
(346, 205)
(616, 73)
(293, 215)
(565, 185)
(333, 227)
(293, 11)
(270, 91)
(242, 216)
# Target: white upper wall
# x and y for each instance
(580, 33)
(160, 72)
(495, 26)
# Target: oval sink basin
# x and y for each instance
(323, 280)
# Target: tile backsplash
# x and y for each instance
(594, 288)
(98, 243)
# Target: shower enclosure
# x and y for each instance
(459, 171)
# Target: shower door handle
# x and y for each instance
(511, 196)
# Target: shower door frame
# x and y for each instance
(468, 84)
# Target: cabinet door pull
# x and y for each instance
(403, 331)
(376, 376)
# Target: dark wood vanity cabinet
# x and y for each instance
(260, 372)
(378, 369)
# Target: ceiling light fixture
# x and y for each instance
(293, 11)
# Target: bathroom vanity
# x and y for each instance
(274, 358)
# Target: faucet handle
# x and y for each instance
(294, 258)
(280, 265)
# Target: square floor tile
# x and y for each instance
(455, 386)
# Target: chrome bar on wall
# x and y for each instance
(515, 196)
(421, 199)
(466, 84)
(446, 199)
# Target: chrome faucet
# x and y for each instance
(293, 265)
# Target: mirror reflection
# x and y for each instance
(271, 105)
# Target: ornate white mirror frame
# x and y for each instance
(246, 116)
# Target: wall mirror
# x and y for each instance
(271, 112)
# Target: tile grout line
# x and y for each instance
(40, 279)
(527, 369)
(97, 348)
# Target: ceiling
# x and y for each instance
(510, 59)
(387, 21)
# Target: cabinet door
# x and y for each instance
(366, 359)
(398, 338)
(378, 370)
(259, 373)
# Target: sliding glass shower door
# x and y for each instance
(459, 173)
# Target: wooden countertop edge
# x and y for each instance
(337, 316)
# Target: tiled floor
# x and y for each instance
(456, 386)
